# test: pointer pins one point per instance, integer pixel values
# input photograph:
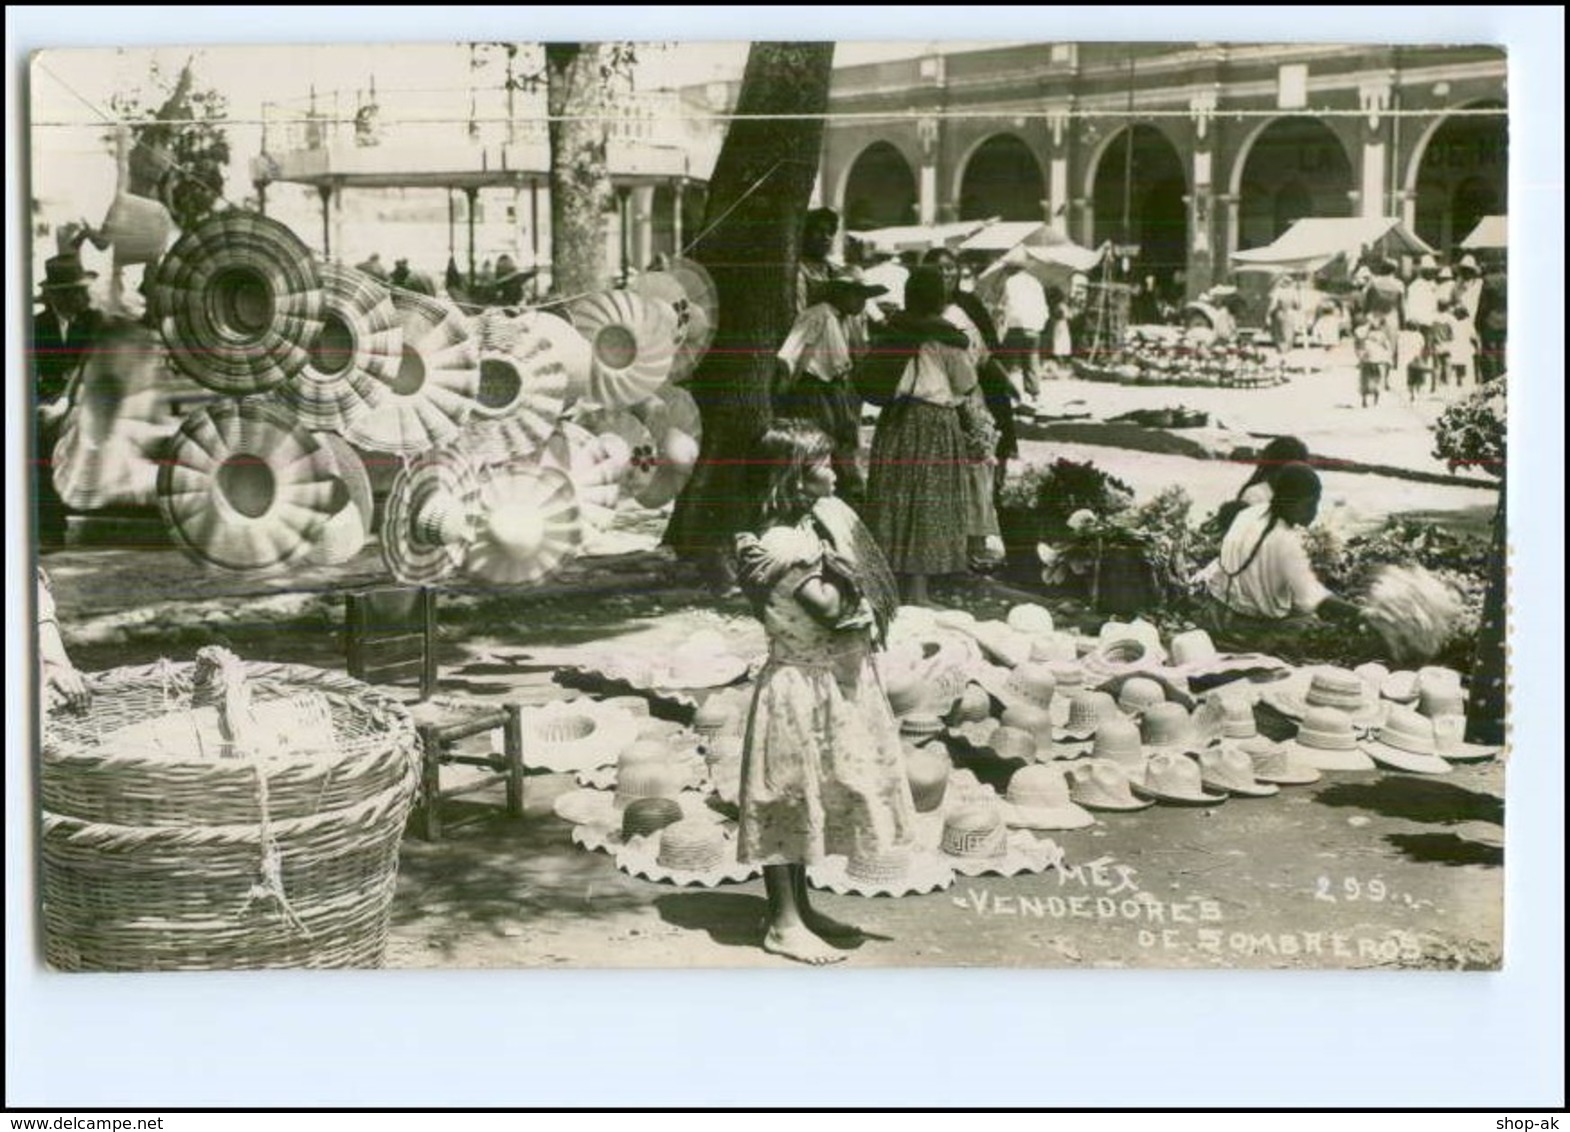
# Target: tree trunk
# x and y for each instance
(1486, 702)
(578, 100)
(759, 192)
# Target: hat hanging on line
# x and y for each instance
(431, 393)
(245, 488)
(703, 315)
(354, 357)
(595, 467)
(672, 418)
(528, 525)
(526, 381)
(349, 528)
(641, 448)
(243, 301)
(632, 345)
(662, 286)
(546, 340)
(431, 516)
(137, 227)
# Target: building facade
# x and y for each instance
(1181, 154)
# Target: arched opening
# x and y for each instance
(1296, 167)
(1003, 179)
(880, 190)
(1138, 200)
(1461, 176)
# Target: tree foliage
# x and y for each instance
(181, 148)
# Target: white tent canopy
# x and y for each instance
(918, 237)
(1489, 233)
(1311, 244)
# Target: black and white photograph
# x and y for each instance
(769, 504)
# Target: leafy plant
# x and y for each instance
(181, 148)
(1470, 433)
(1157, 532)
(1067, 487)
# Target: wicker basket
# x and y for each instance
(238, 853)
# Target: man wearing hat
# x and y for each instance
(507, 288)
(64, 333)
(814, 375)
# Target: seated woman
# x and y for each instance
(1262, 591)
(1259, 488)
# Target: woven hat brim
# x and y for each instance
(1067, 816)
(1355, 759)
(1065, 749)
(638, 858)
(1111, 807)
(1018, 861)
(1386, 755)
(1471, 753)
(651, 326)
(548, 496)
(720, 672)
(615, 731)
(1163, 797)
(927, 874)
(435, 413)
(1300, 776)
(415, 563)
(1258, 790)
(333, 401)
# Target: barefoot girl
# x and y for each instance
(822, 769)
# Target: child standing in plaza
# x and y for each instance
(822, 767)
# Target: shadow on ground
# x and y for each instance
(730, 919)
(1416, 799)
(1446, 849)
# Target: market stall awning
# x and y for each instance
(1312, 243)
(1489, 233)
(918, 237)
(1011, 234)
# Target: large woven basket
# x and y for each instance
(282, 854)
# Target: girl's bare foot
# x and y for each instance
(798, 943)
(827, 927)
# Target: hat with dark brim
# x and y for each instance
(243, 300)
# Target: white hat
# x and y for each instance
(1038, 798)
(1231, 770)
(1175, 779)
(1097, 784)
(693, 852)
(1406, 742)
(895, 871)
(1326, 741)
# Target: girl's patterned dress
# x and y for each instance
(823, 772)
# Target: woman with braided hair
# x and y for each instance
(1262, 589)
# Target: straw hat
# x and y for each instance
(601, 808)
(1011, 743)
(1087, 710)
(714, 716)
(664, 287)
(1030, 685)
(1400, 688)
(1406, 742)
(633, 344)
(529, 391)
(1031, 620)
(1175, 780)
(1139, 694)
(349, 527)
(976, 842)
(1194, 657)
(1326, 741)
(430, 517)
(927, 768)
(354, 357)
(431, 394)
(1032, 720)
(635, 706)
(1438, 700)
(1231, 771)
(1053, 648)
(594, 466)
(972, 706)
(673, 419)
(1116, 633)
(1373, 674)
(702, 314)
(1436, 678)
(547, 346)
(693, 852)
(244, 302)
(642, 818)
(899, 871)
(641, 466)
(1324, 687)
(244, 488)
(682, 755)
(1168, 728)
(1097, 784)
(1001, 644)
(1038, 799)
(575, 735)
(1274, 763)
(1450, 742)
(920, 726)
(1118, 742)
(703, 660)
(960, 620)
(528, 526)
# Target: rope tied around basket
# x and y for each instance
(220, 678)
